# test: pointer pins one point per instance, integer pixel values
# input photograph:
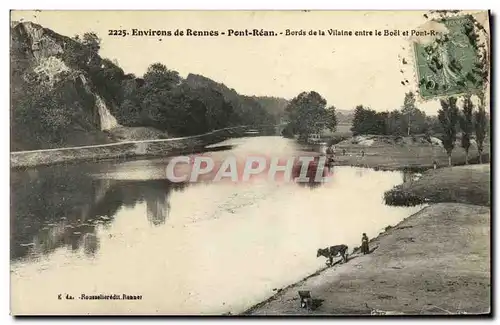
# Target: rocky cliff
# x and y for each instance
(64, 94)
(54, 102)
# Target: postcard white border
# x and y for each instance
(185, 4)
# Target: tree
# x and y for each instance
(395, 123)
(208, 110)
(434, 127)
(381, 119)
(367, 121)
(108, 78)
(409, 109)
(306, 112)
(92, 45)
(419, 122)
(158, 77)
(331, 118)
(160, 106)
(448, 116)
(358, 120)
(466, 125)
(91, 41)
(480, 126)
(41, 114)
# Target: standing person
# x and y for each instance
(434, 164)
(364, 244)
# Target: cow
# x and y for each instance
(332, 251)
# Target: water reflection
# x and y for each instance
(158, 209)
(65, 207)
(62, 207)
(314, 174)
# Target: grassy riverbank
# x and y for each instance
(387, 156)
(436, 261)
(461, 184)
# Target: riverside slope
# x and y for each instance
(436, 261)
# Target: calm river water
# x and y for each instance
(201, 248)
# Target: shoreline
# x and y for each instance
(122, 150)
(383, 158)
(351, 300)
(318, 272)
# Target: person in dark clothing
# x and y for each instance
(364, 245)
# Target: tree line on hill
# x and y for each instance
(163, 100)
(46, 113)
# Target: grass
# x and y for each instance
(125, 133)
(403, 156)
(461, 184)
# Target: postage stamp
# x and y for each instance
(447, 65)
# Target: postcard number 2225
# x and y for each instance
(117, 32)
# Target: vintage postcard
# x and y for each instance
(250, 163)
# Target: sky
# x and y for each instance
(346, 70)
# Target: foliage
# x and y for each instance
(42, 115)
(331, 119)
(274, 105)
(46, 115)
(246, 110)
(367, 121)
(448, 116)
(408, 120)
(409, 109)
(307, 114)
(466, 125)
(480, 127)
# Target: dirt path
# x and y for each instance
(435, 262)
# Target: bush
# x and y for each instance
(399, 197)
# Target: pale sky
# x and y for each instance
(346, 70)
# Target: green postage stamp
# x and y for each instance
(449, 64)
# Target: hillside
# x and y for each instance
(344, 116)
(52, 101)
(63, 93)
(252, 107)
(274, 105)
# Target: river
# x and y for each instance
(119, 227)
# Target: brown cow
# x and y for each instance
(332, 251)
